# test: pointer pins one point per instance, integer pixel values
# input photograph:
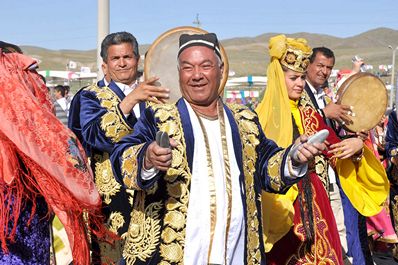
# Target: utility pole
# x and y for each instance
(102, 31)
(196, 22)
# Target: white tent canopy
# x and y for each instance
(247, 81)
(67, 74)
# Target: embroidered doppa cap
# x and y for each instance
(208, 40)
(292, 53)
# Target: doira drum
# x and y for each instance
(161, 60)
(367, 95)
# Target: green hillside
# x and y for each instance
(250, 55)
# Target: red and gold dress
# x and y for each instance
(298, 246)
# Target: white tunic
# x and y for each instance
(197, 238)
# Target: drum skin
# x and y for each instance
(161, 60)
(367, 94)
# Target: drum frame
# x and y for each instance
(151, 50)
(346, 84)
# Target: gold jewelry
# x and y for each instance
(394, 152)
(296, 59)
(358, 157)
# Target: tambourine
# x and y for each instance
(161, 60)
(367, 94)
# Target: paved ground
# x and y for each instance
(381, 258)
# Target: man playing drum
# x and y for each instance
(101, 114)
(347, 216)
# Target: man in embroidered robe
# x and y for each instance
(101, 114)
(198, 202)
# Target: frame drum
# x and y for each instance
(161, 60)
(367, 94)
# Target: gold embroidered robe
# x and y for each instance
(157, 229)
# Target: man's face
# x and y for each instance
(319, 70)
(122, 64)
(200, 75)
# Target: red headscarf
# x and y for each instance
(54, 163)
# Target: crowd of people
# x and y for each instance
(138, 180)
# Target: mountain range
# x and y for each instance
(249, 55)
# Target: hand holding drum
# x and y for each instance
(366, 95)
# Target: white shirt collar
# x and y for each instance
(317, 92)
(126, 89)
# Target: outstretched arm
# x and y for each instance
(128, 156)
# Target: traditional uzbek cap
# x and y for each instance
(292, 53)
(208, 40)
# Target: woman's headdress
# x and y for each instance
(274, 110)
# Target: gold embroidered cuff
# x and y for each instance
(129, 166)
(274, 170)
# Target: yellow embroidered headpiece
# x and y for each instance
(292, 53)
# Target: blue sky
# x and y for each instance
(71, 24)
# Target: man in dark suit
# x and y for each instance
(350, 223)
(318, 73)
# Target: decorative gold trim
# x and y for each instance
(211, 178)
(129, 166)
(227, 168)
(115, 221)
(296, 60)
(104, 180)
(143, 234)
(178, 178)
(212, 188)
(305, 100)
(321, 250)
(275, 170)
(249, 133)
(311, 126)
(310, 121)
(113, 122)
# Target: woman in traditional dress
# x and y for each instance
(301, 222)
(43, 170)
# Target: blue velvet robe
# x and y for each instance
(392, 135)
(98, 122)
(160, 204)
(32, 243)
(391, 148)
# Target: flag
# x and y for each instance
(72, 65)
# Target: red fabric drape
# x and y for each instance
(54, 163)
